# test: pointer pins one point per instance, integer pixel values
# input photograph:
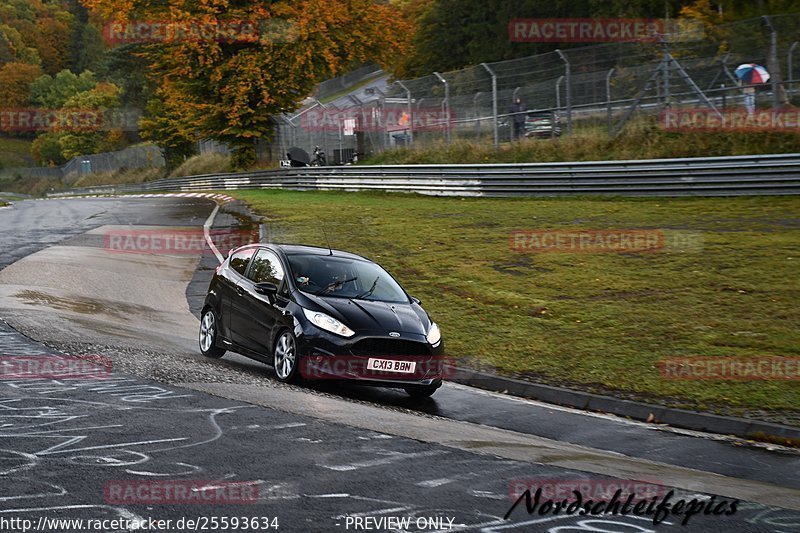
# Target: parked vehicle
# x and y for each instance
(538, 125)
(542, 125)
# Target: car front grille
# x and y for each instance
(389, 347)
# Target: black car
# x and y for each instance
(315, 313)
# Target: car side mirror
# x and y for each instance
(267, 289)
(416, 300)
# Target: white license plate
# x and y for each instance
(391, 365)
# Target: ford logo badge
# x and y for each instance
(394, 334)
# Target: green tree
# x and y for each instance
(452, 34)
(104, 97)
(46, 150)
(86, 46)
(53, 92)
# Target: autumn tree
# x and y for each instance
(93, 103)
(103, 98)
(227, 89)
(15, 80)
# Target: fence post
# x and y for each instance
(558, 92)
(608, 99)
(387, 140)
(494, 105)
(446, 103)
(773, 60)
(568, 82)
(667, 69)
(410, 116)
(477, 117)
(789, 66)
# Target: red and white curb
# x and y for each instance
(224, 198)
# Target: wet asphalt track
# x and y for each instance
(64, 442)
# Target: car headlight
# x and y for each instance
(328, 323)
(434, 335)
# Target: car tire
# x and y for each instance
(285, 358)
(421, 391)
(209, 335)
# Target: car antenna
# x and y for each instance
(326, 239)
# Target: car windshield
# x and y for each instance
(340, 277)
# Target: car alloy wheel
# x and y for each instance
(285, 357)
(208, 335)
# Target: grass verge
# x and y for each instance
(725, 285)
(15, 152)
(202, 164)
(641, 140)
(120, 177)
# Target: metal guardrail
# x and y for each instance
(713, 176)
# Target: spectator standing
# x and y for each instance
(518, 119)
(749, 99)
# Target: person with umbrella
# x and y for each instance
(298, 157)
(750, 75)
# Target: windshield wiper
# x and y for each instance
(333, 285)
(369, 292)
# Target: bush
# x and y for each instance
(122, 176)
(203, 164)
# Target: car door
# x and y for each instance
(257, 314)
(228, 278)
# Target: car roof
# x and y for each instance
(301, 249)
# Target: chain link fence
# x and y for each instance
(133, 157)
(599, 87)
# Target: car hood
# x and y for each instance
(368, 315)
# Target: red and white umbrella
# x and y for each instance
(752, 74)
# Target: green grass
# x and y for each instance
(598, 322)
(15, 152)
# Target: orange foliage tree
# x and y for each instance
(15, 80)
(228, 88)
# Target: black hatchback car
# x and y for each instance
(315, 313)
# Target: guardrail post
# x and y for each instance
(446, 104)
(494, 105)
(608, 99)
(568, 82)
(410, 116)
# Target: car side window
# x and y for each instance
(266, 268)
(240, 260)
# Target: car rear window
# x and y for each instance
(240, 260)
